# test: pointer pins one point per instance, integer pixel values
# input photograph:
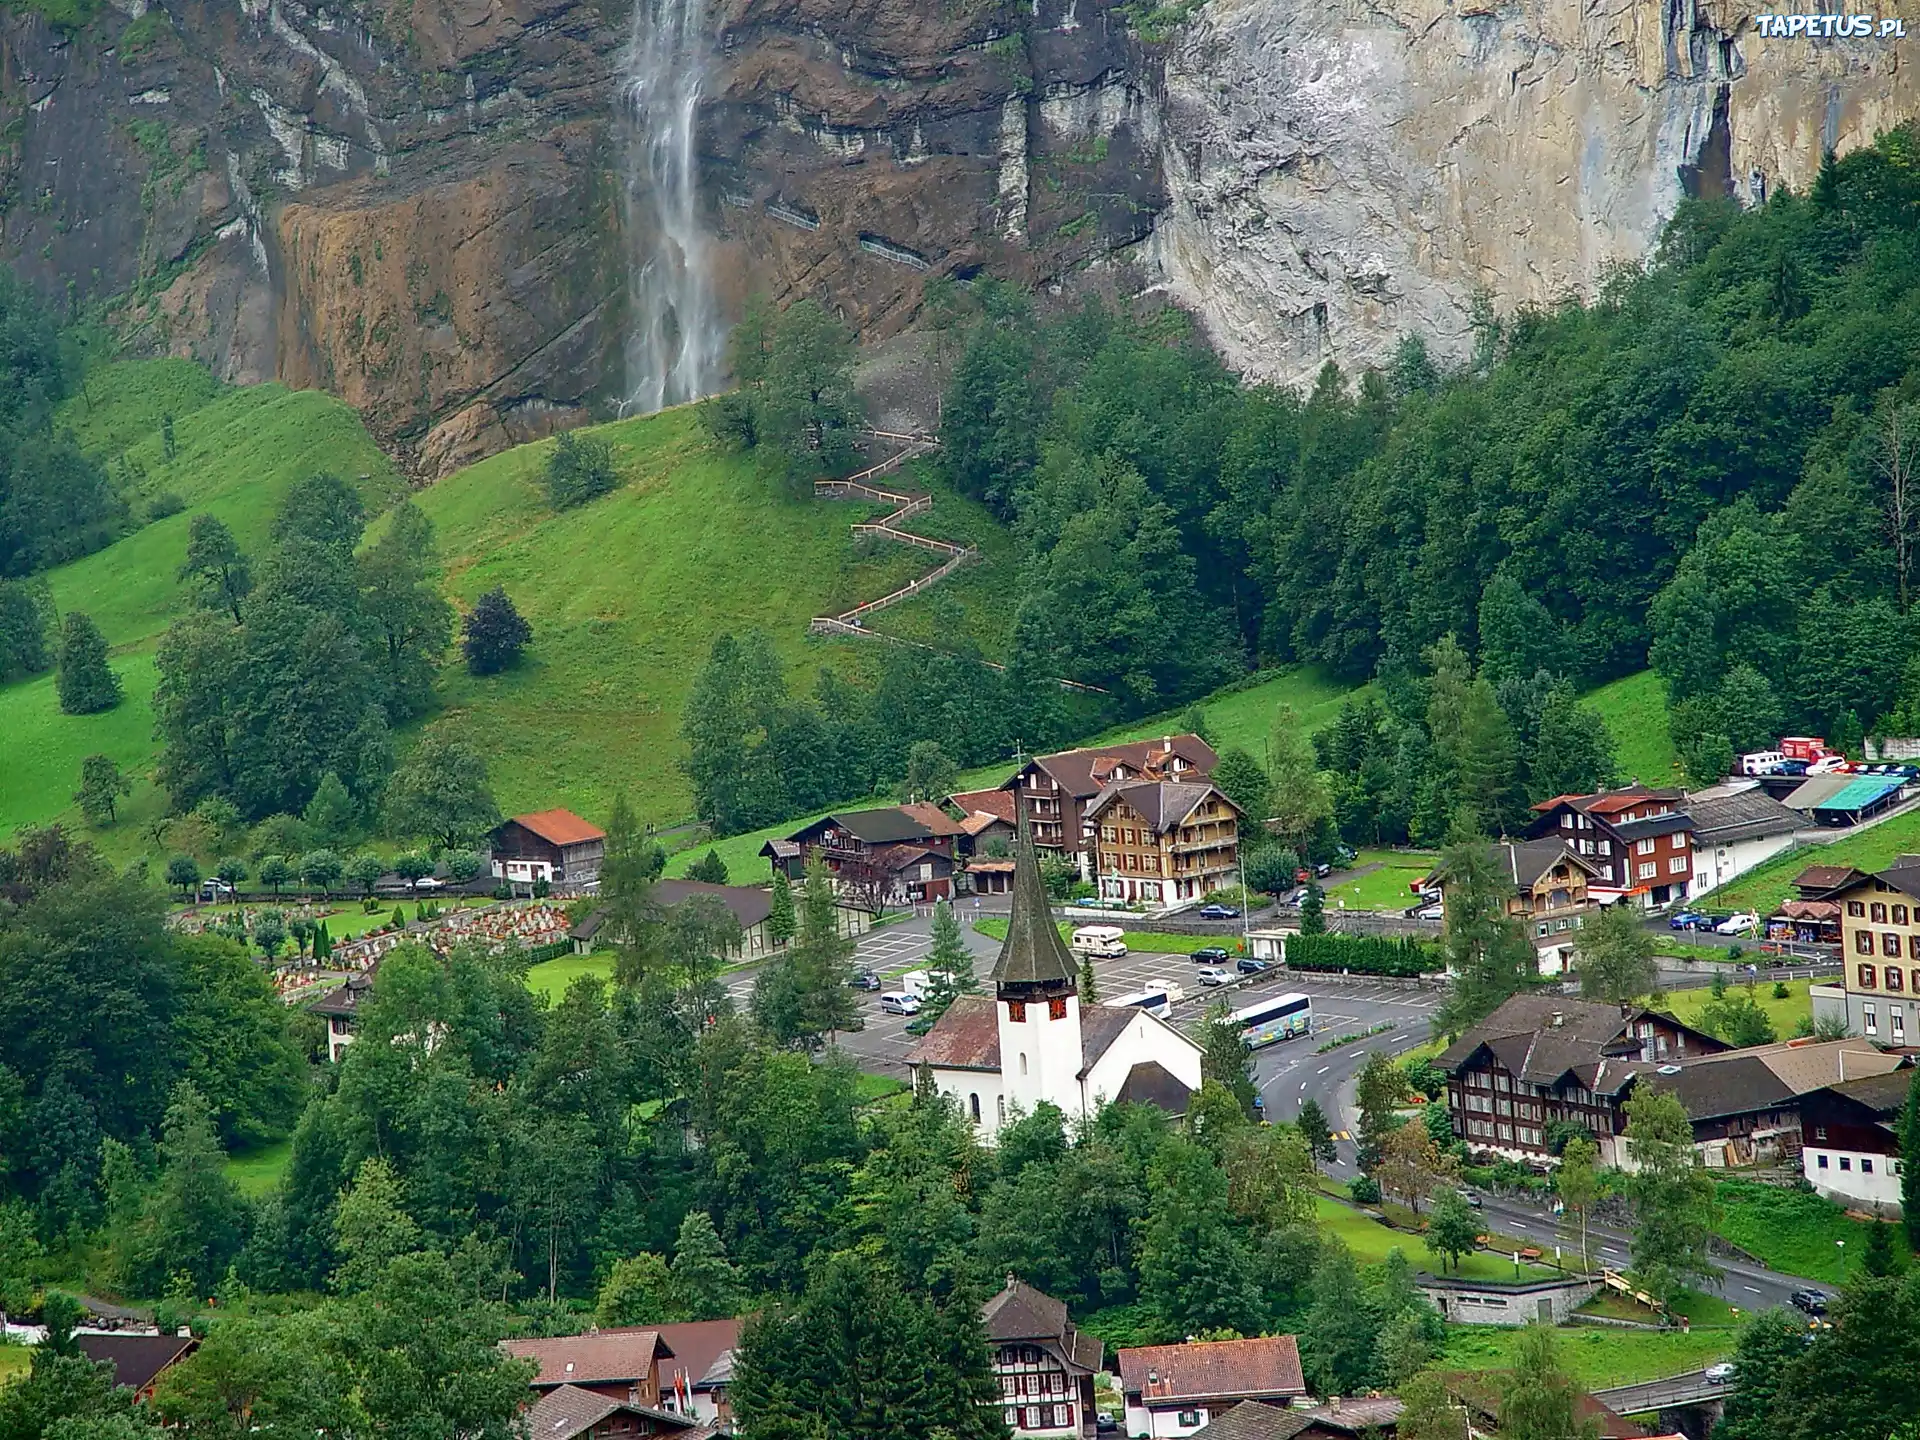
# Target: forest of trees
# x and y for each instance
(1708, 468)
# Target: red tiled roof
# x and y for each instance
(1810, 910)
(1081, 772)
(560, 827)
(606, 1357)
(1213, 1370)
(998, 803)
(937, 821)
(979, 820)
(696, 1344)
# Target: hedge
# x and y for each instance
(1362, 954)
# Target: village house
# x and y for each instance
(340, 1008)
(999, 1056)
(619, 1365)
(138, 1361)
(695, 1381)
(750, 905)
(1174, 1390)
(1057, 789)
(1823, 882)
(556, 846)
(1541, 1058)
(1849, 1140)
(1550, 895)
(893, 855)
(570, 1412)
(1880, 952)
(987, 818)
(1164, 841)
(1638, 840)
(1736, 826)
(1042, 1364)
(1338, 1419)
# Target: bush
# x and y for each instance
(579, 469)
(1780, 991)
(1361, 954)
(1365, 1191)
(164, 504)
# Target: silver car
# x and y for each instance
(1213, 975)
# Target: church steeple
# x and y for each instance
(1033, 956)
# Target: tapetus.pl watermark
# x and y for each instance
(1830, 27)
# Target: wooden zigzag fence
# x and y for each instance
(906, 505)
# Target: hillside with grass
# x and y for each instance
(1635, 709)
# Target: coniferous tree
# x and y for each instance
(1241, 779)
(1488, 952)
(710, 869)
(1910, 1171)
(706, 1285)
(23, 633)
(1226, 1058)
(494, 633)
(86, 685)
(1313, 910)
(949, 963)
(1089, 984)
(782, 923)
(1313, 1127)
(191, 1223)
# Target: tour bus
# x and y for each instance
(1156, 1000)
(1102, 942)
(1280, 1017)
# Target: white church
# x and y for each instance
(999, 1056)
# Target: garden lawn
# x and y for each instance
(1793, 1230)
(1598, 1358)
(552, 977)
(1370, 1241)
(15, 1360)
(258, 1171)
(1387, 888)
(1635, 709)
(1765, 887)
(1786, 1014)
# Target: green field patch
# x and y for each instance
(552, 977)
(1786, 1014)
(1388, 888)
(1793, 1230)
(1370, 1241)
(259, 1171)
(1635, 709)
(15, 1360)
(1598, 1357)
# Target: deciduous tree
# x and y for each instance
(1673, 1196)
(441, 792)
(494, 634)
(86, 685)
(1616, 955)
(220, 573)
(101, 787)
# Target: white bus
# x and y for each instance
(1102, 942)
(1280, 1017)
(1156, 1000)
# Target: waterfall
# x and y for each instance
(676, 340)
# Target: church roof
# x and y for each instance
(1033, 952)
(967, 1036)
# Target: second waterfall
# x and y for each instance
(676, 338)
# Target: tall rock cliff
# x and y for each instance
(418, 203)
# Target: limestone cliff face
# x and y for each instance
(1344, 172)
(418, 203)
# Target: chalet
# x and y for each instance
(1550, 895)
(1735, 827)
(1042, 1364)
(1880, 952)
(1174, 1390)
(750, 905)
(556, 846)
(696, 1381)
(340, 1008)
(1058, 788)
(1849, 1139)
(620, 1365)
(1822, 882)
(1032, 1040)
(1164, 841)
(987, 818)
(1338, 1419)
(571, 1412)
(1638, 840)
(138, 1361)
(1541, 1058)
(895, 855)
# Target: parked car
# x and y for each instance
(920, 1024)
(1295, 897)
(429, 882)
(866, 980)
(1719, 1374)
(1219, 912)
(1322, 870)
(1344, 855)
(1685, 920)
(896, 1002)
(1104, 1422)
(1737, 924)
(1247, 965)
(1431, 912)
(1214, 975)
(1814, 1302)
(213, 889)
(1209, 955)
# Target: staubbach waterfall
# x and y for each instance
(676, 339)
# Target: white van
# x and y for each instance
(1102, 942)
(1761, 762)
(896, 1002)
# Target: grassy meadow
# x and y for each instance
(1635, 709)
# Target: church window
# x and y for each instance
(973, 1104)
(1023, 1062)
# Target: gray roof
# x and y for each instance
(1162, 803)
(1720, 818)
(569, 1410)
(1884, 1094)
(1255, 1420)
(1033, 953)
(1021, 1312)
(1527, 860)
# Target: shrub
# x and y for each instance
(1361, 954)
(579, 469)
(1365, 1191)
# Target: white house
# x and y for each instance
(1849, 1150)
(1000, 1056)
(1173, 1390)
(1735, 827)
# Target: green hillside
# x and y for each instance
(1635, 709)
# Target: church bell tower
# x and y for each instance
(1036, 995)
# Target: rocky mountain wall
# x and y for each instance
(418, 203)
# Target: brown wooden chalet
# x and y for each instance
(1058, 788)
(894, 855)
(1823, 882)
(138, 1361)
(552, 845)
(614, 1364)
(1545, 1057)
(572, 1412)
(1639, 840)
(1164, 841)
(1042, 1364)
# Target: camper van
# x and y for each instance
(1101, 942)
